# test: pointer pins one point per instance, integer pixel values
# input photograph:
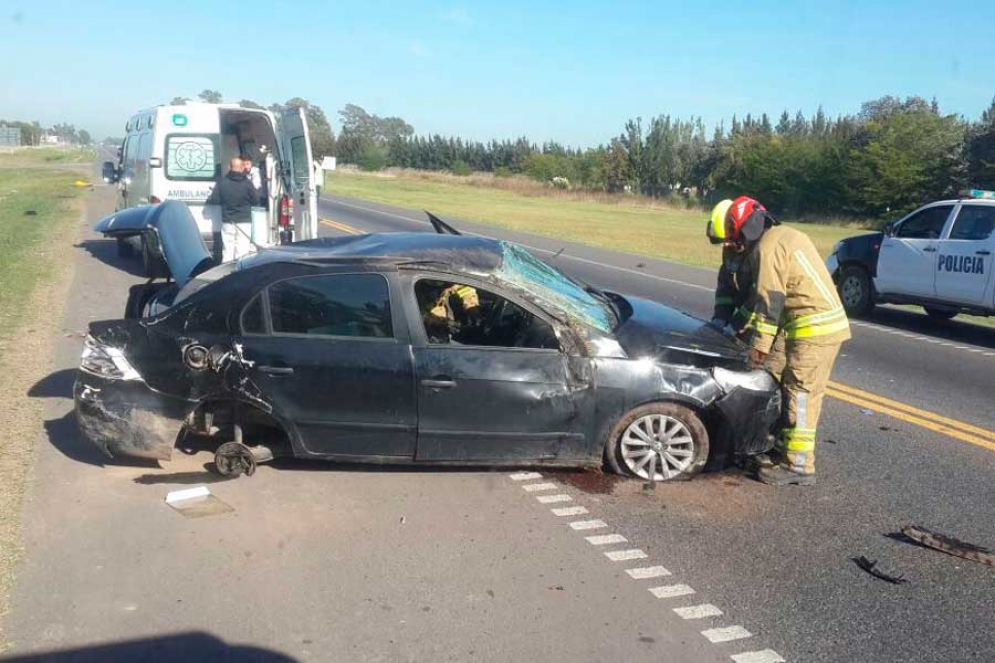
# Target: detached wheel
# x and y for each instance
(940, 313)
(856, 291)
(233, 459)
(658, 442)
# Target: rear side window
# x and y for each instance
(302, 168)
(927, 224)
(192, 157)
(252, 317)
(975, 222)
(356, 305)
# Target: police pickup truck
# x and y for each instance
(938, 257)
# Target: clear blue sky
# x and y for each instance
(569, 71)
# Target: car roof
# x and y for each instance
(965, 199)
(459, 252)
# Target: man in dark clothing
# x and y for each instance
(237, 196)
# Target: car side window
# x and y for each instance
(926, 224)
(356, 305)
(974, 222)
(459, 314)
(252, 317)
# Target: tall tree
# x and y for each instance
(210, 97)
(179, 101)
(248, 103)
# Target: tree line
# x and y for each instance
(32, 132)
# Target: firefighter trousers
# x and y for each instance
(803, 368)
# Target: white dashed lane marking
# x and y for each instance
(726, 634)
(605, 539)
(625, 555)
(698, 611)
(553, 499)
(525, 476)
(536, 487)
(671, 591)
(765, 656)
(587, 524)
(647, 572)
(569, 511)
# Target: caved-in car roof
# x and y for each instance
(470, 254)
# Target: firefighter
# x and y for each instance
(735, 280)
(453, 308)
(795, 325)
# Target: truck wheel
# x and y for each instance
(658, 442)
(124, 249)
(856, 291)
(940, 313)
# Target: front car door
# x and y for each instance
(964, 265)
(907, 262)
(295, 150)
(334, 361)
(493, 385)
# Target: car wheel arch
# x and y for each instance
(673, 405)
(256, 415)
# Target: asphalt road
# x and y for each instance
(780, 561)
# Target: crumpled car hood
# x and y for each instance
(659, 331)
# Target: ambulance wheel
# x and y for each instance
(856, 290)
(658, 442)
(940, 313)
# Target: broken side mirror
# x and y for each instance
(109, 172)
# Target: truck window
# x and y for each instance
(925, 224)
(975, 222)
(192, 157)
(302, 168)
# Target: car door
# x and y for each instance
(907, 262)
(332, 358)
(492, 394)
(964, 263)
(295, 150)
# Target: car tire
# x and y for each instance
(856, 291)
(940, 313)
(682, 455)
(124, 249)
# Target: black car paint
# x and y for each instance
(862, 251)
(508, 405)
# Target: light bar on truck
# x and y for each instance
(978, 193)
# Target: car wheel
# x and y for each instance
(152, 266)
(940, 313)
(856, 291)
(124, 249)
(659, 442)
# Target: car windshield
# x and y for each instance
(522, 269)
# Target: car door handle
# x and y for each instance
(929, 249)
(439, 384)
(982, 253)
(276, 370)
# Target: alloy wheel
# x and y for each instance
(657, 447)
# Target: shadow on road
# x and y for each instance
(193, 647)
(920, 323)
(105, 250)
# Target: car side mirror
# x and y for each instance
(109, 172)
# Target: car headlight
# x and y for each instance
(758, 380)
(106, 362)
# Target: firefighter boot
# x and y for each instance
(782, 475)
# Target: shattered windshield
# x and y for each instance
(522, 269)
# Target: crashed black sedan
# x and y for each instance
(333, 349)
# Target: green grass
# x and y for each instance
(615, 223)
(24, 247)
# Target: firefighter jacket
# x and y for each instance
(794, 293)
(735, 287)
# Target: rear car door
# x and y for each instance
(964, 265)
(334, 361)
(907, 262)
(295, 150)
(497, 388)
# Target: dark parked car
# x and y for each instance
(414, 348)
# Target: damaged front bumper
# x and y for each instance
(126, 417)
(751, 409)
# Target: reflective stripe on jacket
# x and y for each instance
(794, 292)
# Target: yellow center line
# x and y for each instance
(341, 226)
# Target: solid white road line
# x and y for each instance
(570, 511)
(646, 572)
(765, 656)
(525, 476)
(536, 487)
(625, 555)
(698, 611)
(587, 524)
(671, 591)
(605, 539)
(553, 499)
(726, 634)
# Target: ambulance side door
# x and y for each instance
(298, 159)
(964, 263)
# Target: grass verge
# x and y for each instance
(614, 222)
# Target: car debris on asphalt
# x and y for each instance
(950, 545)
(872, 568)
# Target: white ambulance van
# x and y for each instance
(181, 152)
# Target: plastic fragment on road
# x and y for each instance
(872, 568)
(196, 502)
(949, 545)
